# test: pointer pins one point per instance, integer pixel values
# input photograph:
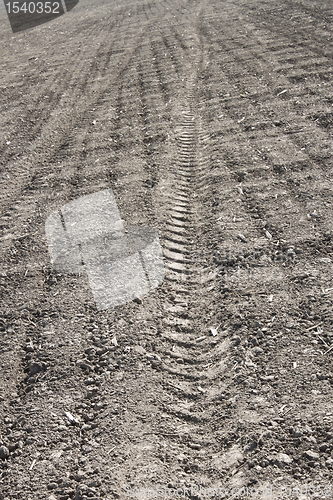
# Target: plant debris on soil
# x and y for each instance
(211, 122)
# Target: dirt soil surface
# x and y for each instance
(212, 123)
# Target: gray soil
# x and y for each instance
(212, 123)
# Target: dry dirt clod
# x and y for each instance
(4, 452)
(257, 350)
(80, 475)
(140, 113)
(71, 419)
(282, 459)
(241, 237)
(29, 347)
(92, 391)
(35, 368)
(84, 364)
(195, 446)
(250, 447)
(311, 455)
(85, 427)
(52, 486)
(12, 446)
(325, 260)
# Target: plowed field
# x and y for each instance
(212, 123)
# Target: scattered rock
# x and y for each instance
(257, 350)
(329, 462)
(311, 455)
(282, 459)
